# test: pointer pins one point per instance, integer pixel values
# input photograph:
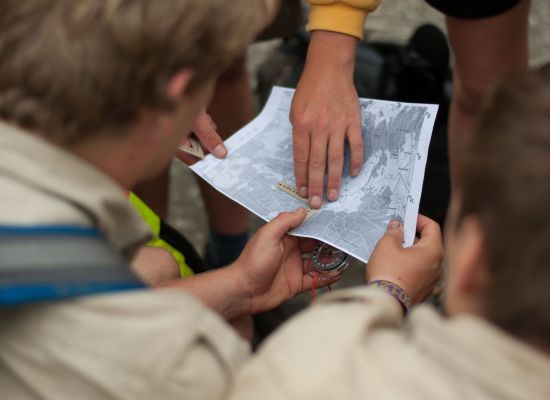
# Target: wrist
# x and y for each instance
(244, 289)
(394, 290)
(235, 295)
(219, 289)
(332, 50)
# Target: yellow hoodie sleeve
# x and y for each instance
(344, 16)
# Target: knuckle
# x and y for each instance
(386, 241)
(316, 162)
(210, 139)
(339, 127)
(359, 150)
(300, 124)
(335, 157)
(301, 158)
(281, 217)
(201, 132)
(357, 161)
(315, 188)
(323, 123)
(334, 181)
(356, 142)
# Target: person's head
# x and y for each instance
(80, 73)
(498, 236)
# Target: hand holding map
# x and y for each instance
(396, 139)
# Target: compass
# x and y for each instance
(329, 261)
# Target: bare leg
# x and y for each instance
(486, 50)
(231, 108)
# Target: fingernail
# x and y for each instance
(355, 171)
(315, 202)
(395, 224)
(220, 151)
(299, 210)
(302, 191)
(333, 194)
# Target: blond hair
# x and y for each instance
(69, 68)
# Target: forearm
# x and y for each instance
(270, 270)
(333, 53)
(221, 290)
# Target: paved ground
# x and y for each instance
(394, 20)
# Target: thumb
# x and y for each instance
(395, 231)
(205, 130)
(282, 223)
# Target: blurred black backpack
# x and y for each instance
(417, 72)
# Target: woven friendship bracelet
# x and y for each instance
(396, 292)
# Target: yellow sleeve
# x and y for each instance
(344, 16)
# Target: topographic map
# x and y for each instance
(396, 139)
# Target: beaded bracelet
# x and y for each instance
(396, 292)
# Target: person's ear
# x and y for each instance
(471, 267)
(175, 89)
(178, 83)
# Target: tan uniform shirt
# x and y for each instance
(355, 345)
(141, 344)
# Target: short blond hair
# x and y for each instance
(70, 68)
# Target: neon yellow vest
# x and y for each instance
(153, 220)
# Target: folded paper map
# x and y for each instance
(259, 167)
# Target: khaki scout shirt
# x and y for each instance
(354, 344)
(142, 344)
